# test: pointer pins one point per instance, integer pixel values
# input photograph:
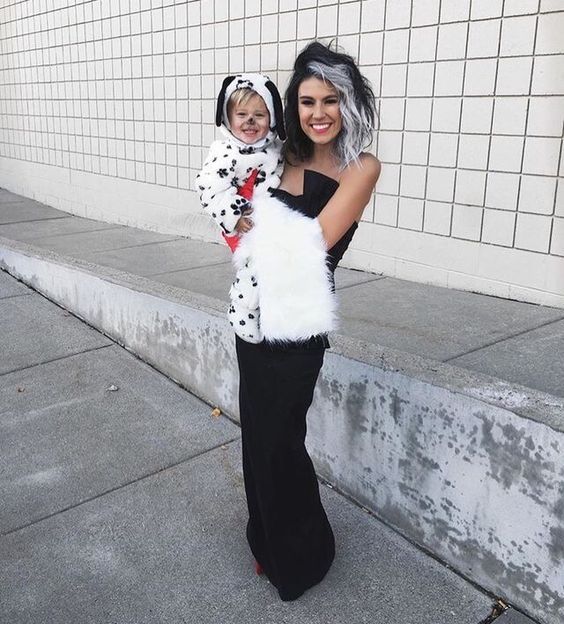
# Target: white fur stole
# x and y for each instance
(289, 258)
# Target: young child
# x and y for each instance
(244, 165)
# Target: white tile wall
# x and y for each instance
(418, 114)
(541, 155)
(423, 44)
(498, 227)
(537, 194)
(483, 38)
(386, 210)
(446, 114)
(518, 35)
(477, 115)
(452, 40)
(455, 10)
(420, 79)
(470, 187)
(546, 116)
(519, 7)
(443, 149)
(467, 222)
(437, 217)
(549, 34)
(557, 246)
(559, 206)
(480, 77)
(473, 151)
(514, 75)
(510, 115)
(449, 76)
(415, 148)
(425, 12)
(506, 153)
(533, 232)
(470, 94)
(480, 9)
(413, 181)
(410, 213)
(502, 190)
(548, 77)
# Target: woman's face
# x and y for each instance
(318, 110)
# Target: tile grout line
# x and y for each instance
(510, 337)
(118, 487)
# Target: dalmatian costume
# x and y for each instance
(226, 168)
(283, 289)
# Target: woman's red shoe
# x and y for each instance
(258, 568)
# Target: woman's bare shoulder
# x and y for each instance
(366, 169)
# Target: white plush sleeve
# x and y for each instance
(218, 195)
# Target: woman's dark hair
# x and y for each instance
(356, 102)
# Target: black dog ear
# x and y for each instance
(221, 100)
(278, 113)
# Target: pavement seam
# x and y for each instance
(204, 266)
(119, 487)
(32, 220)
(166, 240)
(35, 238)
(14, 296)
(510, 337)
(62, 357)
(376, 279)
(89, 255)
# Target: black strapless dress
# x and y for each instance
(288, 530)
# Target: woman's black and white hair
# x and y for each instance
(356, 103)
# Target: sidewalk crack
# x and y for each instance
(500, 340)
(118, 487)
(56, 359)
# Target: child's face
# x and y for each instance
(250, 122)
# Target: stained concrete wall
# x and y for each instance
(468, 467)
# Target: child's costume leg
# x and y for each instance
(245, 322)
(244, 312)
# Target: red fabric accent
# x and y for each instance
(245, 191)
(232, 241)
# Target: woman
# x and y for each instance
(329, 119)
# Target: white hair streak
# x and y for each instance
(356, 133)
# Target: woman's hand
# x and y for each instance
(245, 223)
(350, 199)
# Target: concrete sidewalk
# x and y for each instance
(425, 392)
(123, 501)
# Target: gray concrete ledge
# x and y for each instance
(463, 464)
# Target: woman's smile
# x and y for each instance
(321, 128)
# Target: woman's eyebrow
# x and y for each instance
(310, 97)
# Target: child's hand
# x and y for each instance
(245, 223)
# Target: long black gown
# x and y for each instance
(288, 530)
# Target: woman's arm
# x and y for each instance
(350, 199)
